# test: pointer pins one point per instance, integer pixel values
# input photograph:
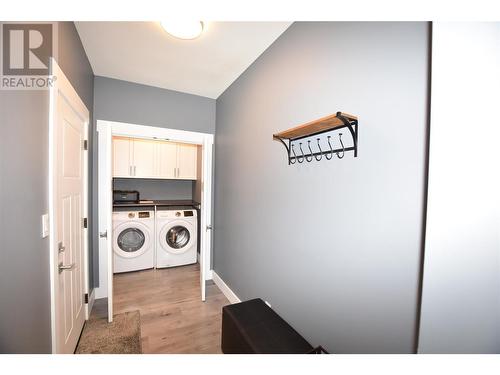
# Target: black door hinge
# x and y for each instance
(85, 145)
(86, 298)
(85, 222)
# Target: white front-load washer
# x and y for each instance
(133, 240)
(177, 237)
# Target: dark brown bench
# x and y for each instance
(253, 327)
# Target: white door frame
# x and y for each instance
(63, 86)
(105, 224)
(150, 132)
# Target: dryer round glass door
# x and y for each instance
(131, 239)
(177, 237)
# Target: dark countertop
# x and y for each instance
(164, 203)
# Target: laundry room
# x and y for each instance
(154, 182)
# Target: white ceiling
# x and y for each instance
(143, 52)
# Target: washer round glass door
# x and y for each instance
(176, 237)
(131, 239)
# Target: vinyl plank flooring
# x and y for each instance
(173, 317)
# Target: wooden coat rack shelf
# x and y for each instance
(326, 124)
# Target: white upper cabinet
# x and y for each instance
(122, 157)
(145, 159)
(142, 158)
(186, 161)
(167, 159)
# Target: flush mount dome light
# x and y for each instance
(183, 29)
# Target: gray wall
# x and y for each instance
(156, 189)
(122, 101)
(24, 255)
(75, 64)
(133, 103)
(461, 286)
(335, 246)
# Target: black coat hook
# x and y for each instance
(331, 150)
(303, 157)
(310, 152)
(343, 148)
(294, 157)
(320, 152)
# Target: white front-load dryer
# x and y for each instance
(133, 240)
(177, 238)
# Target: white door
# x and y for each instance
(186, 161)
(69, 119)
(105, 204)
(144, 158)
(167, 159)
(122, 157)
(206, 213)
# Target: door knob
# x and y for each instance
(68, 267)
(103, 234)
(60, 247)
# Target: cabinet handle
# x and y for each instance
(130, 170)
(134, 169)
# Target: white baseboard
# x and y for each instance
(101, 292)
(230, 295)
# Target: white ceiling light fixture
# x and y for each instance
(183, 29)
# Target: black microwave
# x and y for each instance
(123, 196)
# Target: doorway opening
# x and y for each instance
(157, 154)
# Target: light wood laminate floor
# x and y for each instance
(173, 317)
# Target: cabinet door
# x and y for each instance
(122, 157)
(186, 161)
(144, 158)
(167, 159)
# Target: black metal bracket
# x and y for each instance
(293, 157)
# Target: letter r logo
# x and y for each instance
(27, 49)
